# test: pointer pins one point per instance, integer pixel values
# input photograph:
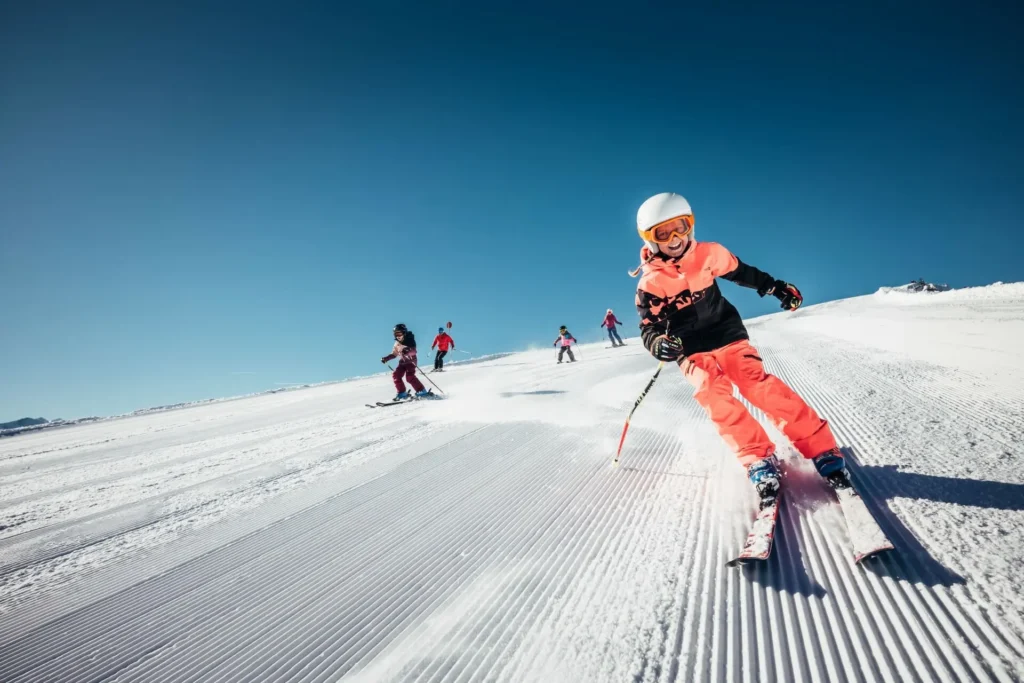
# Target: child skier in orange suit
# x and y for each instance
(685, 318)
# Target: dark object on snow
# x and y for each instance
(919, 285)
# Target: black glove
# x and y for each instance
(667, 348)
(789, 295)
(384, 359)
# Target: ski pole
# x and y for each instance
(643, 393)
(428, 379)
(578, 350)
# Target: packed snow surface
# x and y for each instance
(300, 536)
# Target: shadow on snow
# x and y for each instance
(784, 570)
(911, 561)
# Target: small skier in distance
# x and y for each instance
(565, 339)
(443, 341)
(405, 351)
(610, 321)
(685, 318)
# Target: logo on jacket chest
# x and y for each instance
(683, 282)
(686, 298)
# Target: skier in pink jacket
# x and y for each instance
(610, 321)
(565, 339)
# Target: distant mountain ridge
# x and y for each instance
(24, 422)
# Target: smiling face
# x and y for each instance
(676, 247)
(672, 236)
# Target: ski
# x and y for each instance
(758, 546)
(385, 404)
(866, 535)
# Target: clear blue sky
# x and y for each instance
(198, 202)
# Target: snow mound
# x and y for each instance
(918, 285)
(996, 290)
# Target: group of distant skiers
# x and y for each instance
(565, 340)
(684, 319)
(405, 351)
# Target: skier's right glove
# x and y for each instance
(667, 348)
(384, 359)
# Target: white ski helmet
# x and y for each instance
(660, 208)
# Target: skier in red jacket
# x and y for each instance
(610, 321)
(444, 342)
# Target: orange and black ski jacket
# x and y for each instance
(681, 296)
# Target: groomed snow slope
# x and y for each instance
(303, 537)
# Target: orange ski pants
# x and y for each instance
(713, 375)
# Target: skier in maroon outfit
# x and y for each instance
(405, 351)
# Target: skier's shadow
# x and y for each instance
(784, 571)
(539, 392)
(912, 561)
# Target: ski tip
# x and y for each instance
(745, 561)
(874, 552)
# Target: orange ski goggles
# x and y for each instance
(666, 231)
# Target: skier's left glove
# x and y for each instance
(789, 295)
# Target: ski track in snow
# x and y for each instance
(302, 537)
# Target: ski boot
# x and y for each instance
(832, 466)
(764, 475)
(424, 393)
(401, 396)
